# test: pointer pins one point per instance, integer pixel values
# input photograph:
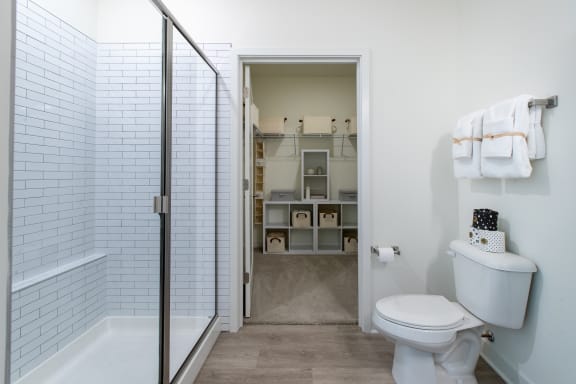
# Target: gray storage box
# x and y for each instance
(348, 195)
(284, 195)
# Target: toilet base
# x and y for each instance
(454, 366)
(413, 366)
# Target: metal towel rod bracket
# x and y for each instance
(550, 102)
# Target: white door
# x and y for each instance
(248, 183)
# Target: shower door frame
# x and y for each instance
(162, 205)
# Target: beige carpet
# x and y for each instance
(304, 289)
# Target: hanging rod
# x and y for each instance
(550, 102)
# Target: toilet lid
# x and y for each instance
(420, 311)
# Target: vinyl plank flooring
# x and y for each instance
(306, 354)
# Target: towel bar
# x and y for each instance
(550, 102)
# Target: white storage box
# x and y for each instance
(317, 125)
(328, 219)
(301, 219)
(272, 125)
(488, 241)
(277, 195)
(350, 243)
(276, 242)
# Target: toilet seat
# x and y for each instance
(426, 322)
(426, 312)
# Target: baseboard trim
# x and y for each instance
(490, 362)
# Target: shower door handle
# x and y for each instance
(160, 204)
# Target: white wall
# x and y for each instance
(6, 55)
(78, 13)
(128, 21)
(432, 62)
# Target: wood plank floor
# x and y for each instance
(306, 354)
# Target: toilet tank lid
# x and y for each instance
(502, 261)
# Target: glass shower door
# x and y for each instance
(193, 200)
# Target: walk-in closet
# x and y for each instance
(301, 180)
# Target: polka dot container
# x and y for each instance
(485, 219)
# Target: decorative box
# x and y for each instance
(278, 195)
(328, 219)
(301, 219)
(350, 243)
(276, 242)
(486, 219)
(488, 241)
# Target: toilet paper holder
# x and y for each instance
(395, 248)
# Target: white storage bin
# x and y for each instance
(301, 219)
(276, 242)
(328, 219)
(350, 243)
(272, 125)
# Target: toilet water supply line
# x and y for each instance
(488, 335)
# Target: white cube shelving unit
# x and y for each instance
(316, 239)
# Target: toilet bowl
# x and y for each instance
(436, 341)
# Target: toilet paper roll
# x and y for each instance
(385, 254)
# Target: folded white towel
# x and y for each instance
(536, 142)
(466, 144)
(462, 138)
(498, 137)
(504, 147)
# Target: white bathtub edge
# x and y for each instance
(192, 369)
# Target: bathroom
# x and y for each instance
(428, 65)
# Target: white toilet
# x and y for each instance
(438, 341)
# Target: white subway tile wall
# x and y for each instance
(193, 251)
(54, 150)
(53, 196)
(86, 165)
(128, 91)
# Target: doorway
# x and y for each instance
(280, 149)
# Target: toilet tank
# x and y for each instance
(493, 286)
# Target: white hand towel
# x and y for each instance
(504, 147)
(536, 141)
(469, 126)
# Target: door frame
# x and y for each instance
(275, 56)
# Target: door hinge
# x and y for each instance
(245, 93)
(246, 277)
(246, 184)
(160, 204)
